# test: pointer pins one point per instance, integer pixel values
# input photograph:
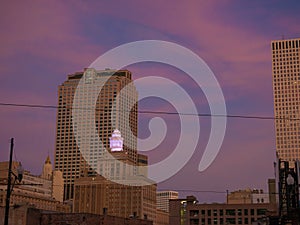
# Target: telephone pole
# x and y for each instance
(8, 191)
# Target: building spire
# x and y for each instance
(48, 161)
(47, 169)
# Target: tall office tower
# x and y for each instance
(286, 91)
(112, 111)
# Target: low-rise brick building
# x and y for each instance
(189, 212)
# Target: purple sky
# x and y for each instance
(42, 42)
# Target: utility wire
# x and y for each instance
(212, 191)
(179, 190)
(189, 190)
(155, 112)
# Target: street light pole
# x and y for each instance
(8, 183)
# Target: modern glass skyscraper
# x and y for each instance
(113, 109)
(286, 91)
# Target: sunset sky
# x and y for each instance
(43, 41)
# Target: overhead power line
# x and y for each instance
(211, 191)
(154, 112)
(28, 105)
(196, 191)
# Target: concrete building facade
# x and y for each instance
(163, 197)
(98, 195)
(118, 190)
(286, 92)
(35, 191)
(162, 217)
(248, 196)
(115, 109)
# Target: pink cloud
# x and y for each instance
(206, 32)
(48, 30)
(54, 32)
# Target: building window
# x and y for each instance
(194, 213)
(215, 212)
(221, 221)
(261, 212)
(221, 212)
(230, 212)
(239, 212)
(240, 221)
(215, 221)
(230, 221)
(209, 212)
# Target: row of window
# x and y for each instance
(285, 44)
(286, 100)
(286, 77)
(281, 54)
(228, 212)
(291, 65)
(286, 73)
(281, 51)
(220, 221)
(280, 83)
(280, 61)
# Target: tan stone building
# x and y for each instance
(119, 192)
(17, 215)
(189, 212)
(162, 217)
(248, 196)
(113, 110)
(286, 92)
(163, 197)
(100, 196)
(162, 206)
(42, 192)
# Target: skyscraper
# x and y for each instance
(286, 91)
(112, 111)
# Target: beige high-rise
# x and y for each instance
(110, 114)
(286, 91)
